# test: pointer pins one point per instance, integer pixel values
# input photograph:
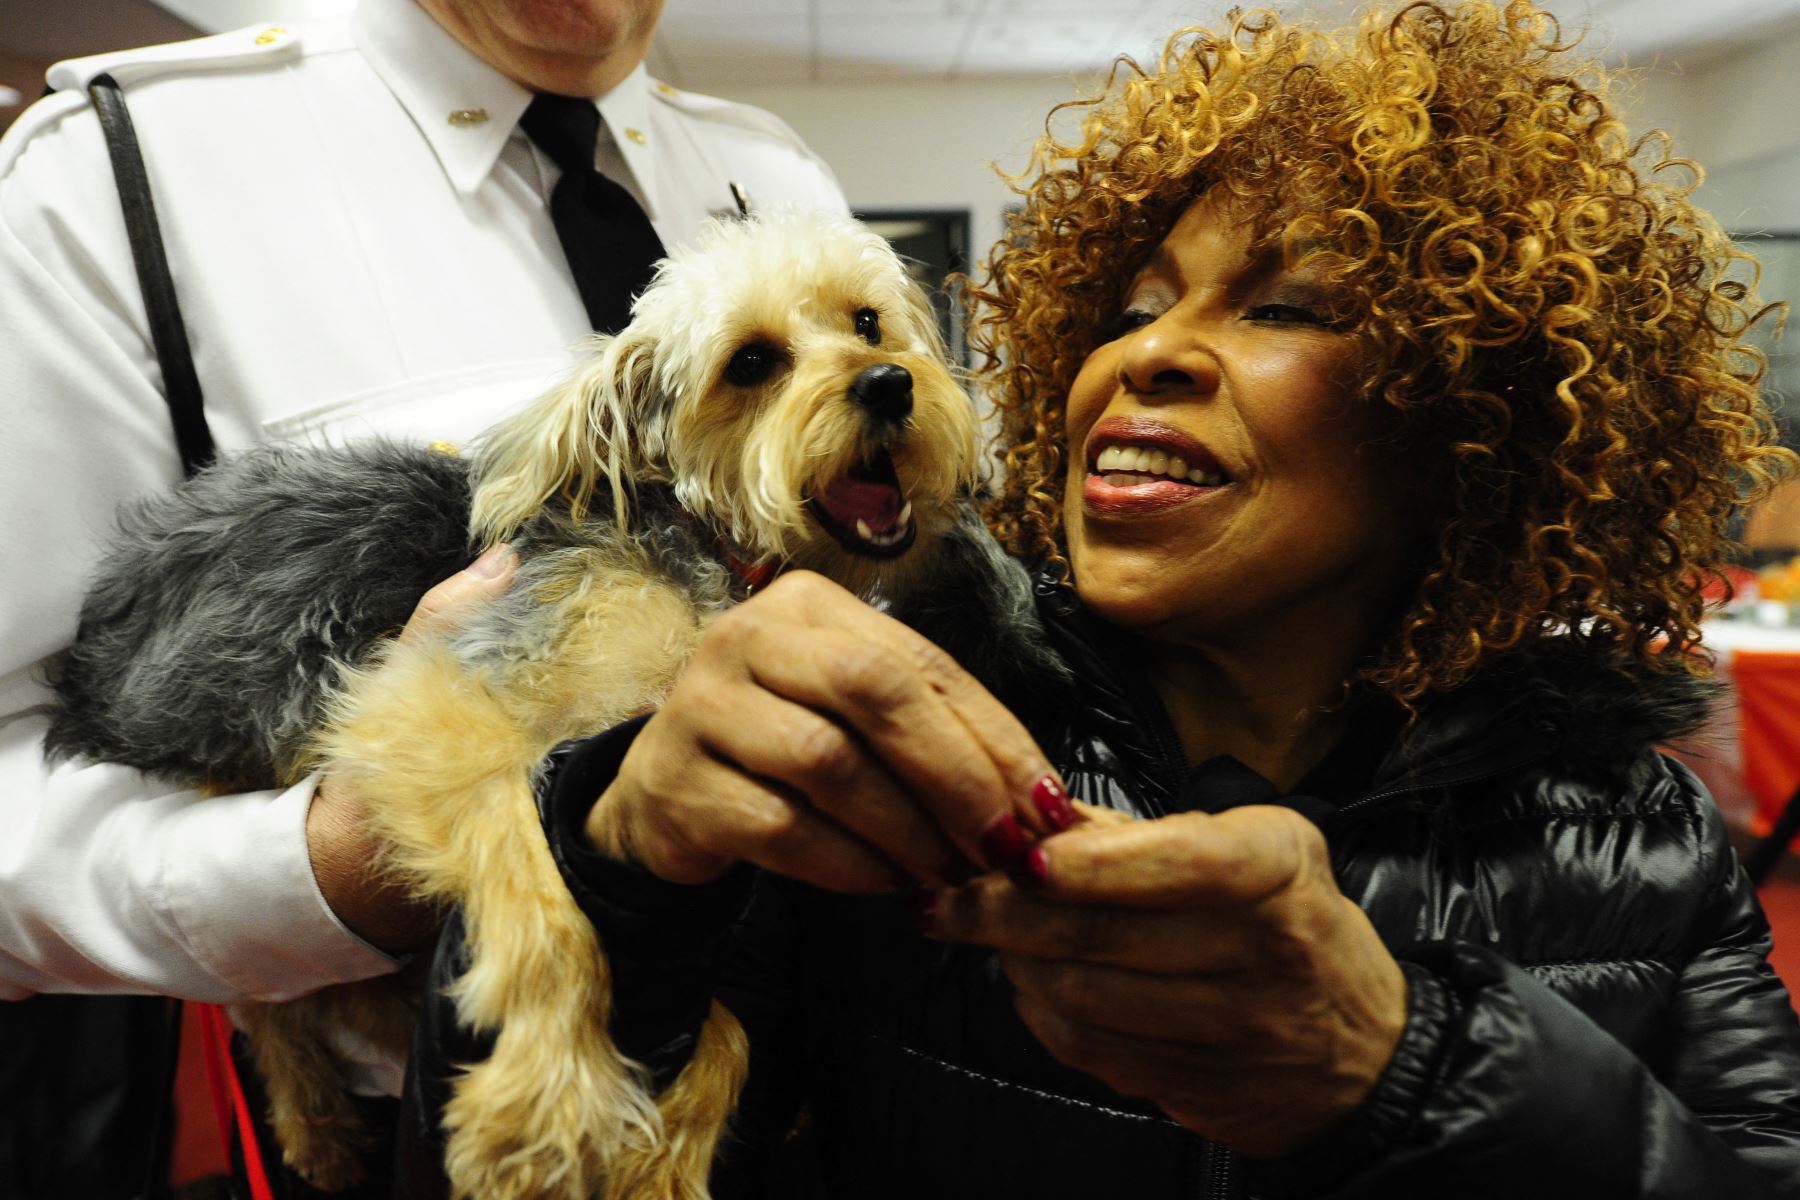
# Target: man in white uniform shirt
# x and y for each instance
(360, 242)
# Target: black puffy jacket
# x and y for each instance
(1591, 1012)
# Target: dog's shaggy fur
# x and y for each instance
(779, 400)
(226, 608)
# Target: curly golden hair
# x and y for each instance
(1535, 297)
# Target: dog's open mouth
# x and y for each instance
(865, 510)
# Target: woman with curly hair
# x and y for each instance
(1373, 409)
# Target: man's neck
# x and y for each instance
(533, 67)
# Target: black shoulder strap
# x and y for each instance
(167, 331)
(181, 387)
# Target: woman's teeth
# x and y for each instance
(1135, 460)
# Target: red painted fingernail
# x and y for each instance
(924, 903)
(1004, 842)
(1037, 867)
(1048, 797)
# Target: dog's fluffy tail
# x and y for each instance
(211, 638)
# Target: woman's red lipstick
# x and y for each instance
(1130, 485)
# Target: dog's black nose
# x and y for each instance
(885, 389)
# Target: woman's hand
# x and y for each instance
(378, 909)
(820, 739)
(1206, 963)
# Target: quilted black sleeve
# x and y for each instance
(1503, 1088)
(674, 949)
(663, 939)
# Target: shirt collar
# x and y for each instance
(464, 107)
(626, 110)
(467, 110)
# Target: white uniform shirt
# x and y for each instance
(361, 242)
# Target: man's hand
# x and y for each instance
(338, 838)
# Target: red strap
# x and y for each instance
(215, 1073)
(222, 1077)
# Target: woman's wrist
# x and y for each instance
(601, 866)
(605, 831)
(1385, 1115)
(616, 829)
(592, 795)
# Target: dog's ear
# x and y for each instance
(586, 428)
(923, 317)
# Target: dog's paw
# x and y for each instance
(495, 1163)
(529, 1123)
(323, 1143)
(330, 1164)
(695, 1110)
(311, 1112)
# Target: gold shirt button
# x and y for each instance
(665, 89)
(636, 135)
(468, 116)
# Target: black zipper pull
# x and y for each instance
(1221, 1174)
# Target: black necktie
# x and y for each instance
(605, 236)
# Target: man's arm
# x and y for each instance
(108, 881)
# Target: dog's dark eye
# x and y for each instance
(752, 364)
(868, 326)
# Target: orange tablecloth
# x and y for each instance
(1762, 663)
(1768, 700)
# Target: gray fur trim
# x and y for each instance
(980, 607)
(214, 631)
(1604, 708)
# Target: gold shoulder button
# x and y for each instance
(445, 448)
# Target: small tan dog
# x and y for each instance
(780, 400)
(785, 383)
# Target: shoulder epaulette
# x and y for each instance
(241, 47)
(730, 112)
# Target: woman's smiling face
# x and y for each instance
(1290, 504)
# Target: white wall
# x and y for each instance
(921, 145)
(1739, 116)
(929, 144)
